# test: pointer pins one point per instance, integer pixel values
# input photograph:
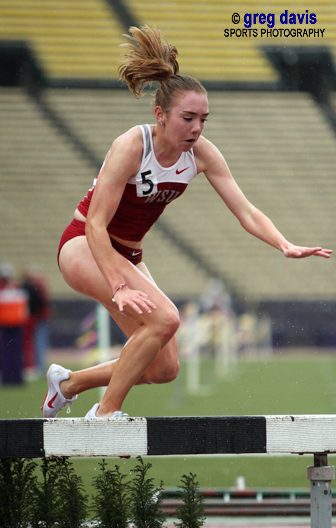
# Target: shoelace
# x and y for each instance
(70, 402)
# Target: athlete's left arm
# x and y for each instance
(210, 161)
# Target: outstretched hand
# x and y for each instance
(136, 299)
(302, 252)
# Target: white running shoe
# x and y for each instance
(54, 400)
(92, 413)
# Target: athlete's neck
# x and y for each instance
(165, 154)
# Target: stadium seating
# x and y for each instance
(278, 147)
(43, 178)
(80, 39)
(77, 39)
(197, 29)
(40, 177)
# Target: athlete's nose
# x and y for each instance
(197, 127)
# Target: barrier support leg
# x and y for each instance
(320, 476)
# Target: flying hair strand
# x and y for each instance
(148, 58)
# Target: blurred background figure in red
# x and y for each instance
(13, 317)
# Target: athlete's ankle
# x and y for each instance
(105, 412)
(67, 389)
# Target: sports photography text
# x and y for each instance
(298, 24)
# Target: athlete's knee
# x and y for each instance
(172, 373)
(173, 322)
(165, 375)
(169, 324)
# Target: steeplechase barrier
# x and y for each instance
(197, 435)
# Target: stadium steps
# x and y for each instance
(280, 151)
(81, 38)
(77, 39)
(196, 29)
(41, 176)
(43, 179)
(282, 155)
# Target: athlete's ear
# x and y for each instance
(159, 114)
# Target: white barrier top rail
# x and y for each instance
(190, 435)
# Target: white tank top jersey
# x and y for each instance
(151, 173)
(147, 194)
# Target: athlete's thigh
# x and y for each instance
(169, 352)
(81, 272)
(129, 326)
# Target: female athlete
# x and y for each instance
(100, 252)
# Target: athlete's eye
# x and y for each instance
(187, 118)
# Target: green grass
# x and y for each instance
(289, 384)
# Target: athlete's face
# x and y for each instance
(185, 122)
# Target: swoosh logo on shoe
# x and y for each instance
(50, 402)
(179, 172)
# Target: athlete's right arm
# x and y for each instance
(122, 162)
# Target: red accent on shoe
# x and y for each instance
(44, 400)
(50, 402)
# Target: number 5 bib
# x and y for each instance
(146, 183)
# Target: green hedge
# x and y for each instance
(52, 495)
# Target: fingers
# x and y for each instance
(303, 252)
(307, 252)
(326, 253)
(137, 300)
(317, 252)
(146, 299)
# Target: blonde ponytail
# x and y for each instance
(148, 59)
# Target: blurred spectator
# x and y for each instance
(36, 334)
(13, 316)
(7, 275)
